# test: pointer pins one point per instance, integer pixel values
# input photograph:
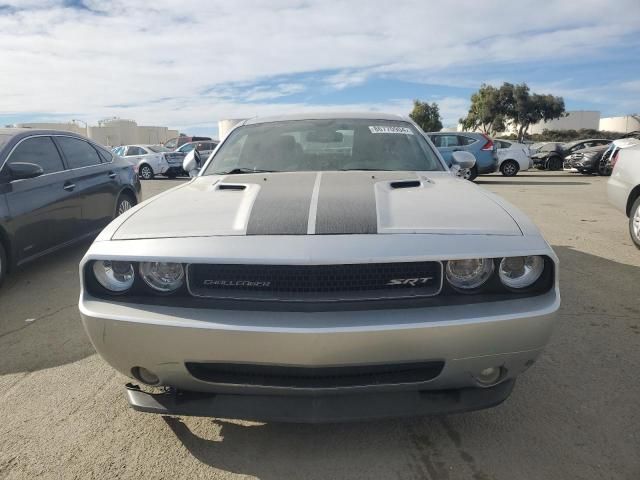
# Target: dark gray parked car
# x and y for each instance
(587, 160)
(552, 155)
(56, 188)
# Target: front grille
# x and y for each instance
(315, 377)
(316, 282)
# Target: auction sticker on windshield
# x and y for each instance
(389, 129)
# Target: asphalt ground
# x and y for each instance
(574, 414)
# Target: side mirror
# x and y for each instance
(192, 163)
(463, 160)
(23, 170)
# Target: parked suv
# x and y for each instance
(479, 144)
(56, 188)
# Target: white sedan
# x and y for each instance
(321, 267)
(151, 160)
(623, 187)
(513, 157)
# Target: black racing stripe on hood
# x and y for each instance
(282, 204)
(347, 202)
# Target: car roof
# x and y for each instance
(576, 142)
(475, 134)
(325, 116)
(37, 131)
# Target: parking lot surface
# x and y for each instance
(63, 413)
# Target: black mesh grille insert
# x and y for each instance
(316, 282)
(308, 377)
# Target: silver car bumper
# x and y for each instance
(319, 409)
(466, 338)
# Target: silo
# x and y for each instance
(225, 126)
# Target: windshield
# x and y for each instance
(316, 145)
(187, 147)
(171, 143)
(157, 148)
(549, 147)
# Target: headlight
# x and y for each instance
(520, 272)
(162, 276)
(114, 276)
(469, 274)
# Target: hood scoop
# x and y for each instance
(231, 186)
(405, 184)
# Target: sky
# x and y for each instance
(187, 65)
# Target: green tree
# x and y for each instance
(524, 108)
(486, 112)
(493, 109)
(427, 116)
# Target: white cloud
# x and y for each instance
(205, 60)
(347, 78)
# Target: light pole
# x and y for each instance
(86, 126)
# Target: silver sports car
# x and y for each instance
(321, 268)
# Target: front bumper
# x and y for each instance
(319, 409)
(490, 167)
(467, 338)
(539, 162)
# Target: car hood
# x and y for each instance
(311, 203)
(626, 142)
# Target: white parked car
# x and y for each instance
(610, 156)
(513, 157)
(151, 160)
(623, 187)
(321, 267)
(204, 147)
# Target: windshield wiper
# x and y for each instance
(238, 170)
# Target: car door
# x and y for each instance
(205, 149)
(446, 145)
(133, 154)
(96, 183)
(43, 210)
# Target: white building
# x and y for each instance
(575, 120)
(112, 132)
(625, 124)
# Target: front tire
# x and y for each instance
(602, 169)
(3, 264)
(146, 172)
(509, 168)
(124, 203)
(634, 222)
(554, 164)
(468, 173)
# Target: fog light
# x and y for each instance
(145, 376)
(489, 376)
